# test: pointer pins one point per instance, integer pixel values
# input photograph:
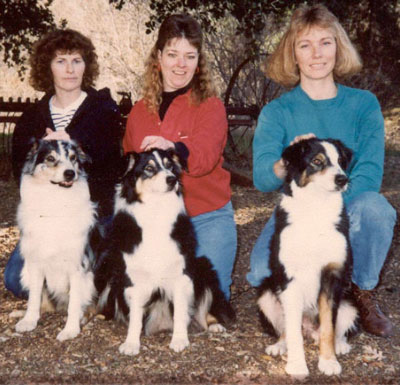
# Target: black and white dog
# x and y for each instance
(150, 274)
(57, 221)
(311, 259)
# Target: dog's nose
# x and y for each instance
(69, 175)
(341, 180)
(171, 180)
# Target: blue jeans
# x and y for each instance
(217, 240)
(12, 272)
(372, 220)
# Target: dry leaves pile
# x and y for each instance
(234, 357)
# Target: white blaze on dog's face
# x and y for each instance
(54, 161)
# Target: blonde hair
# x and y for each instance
(177, 26)
(281, 64)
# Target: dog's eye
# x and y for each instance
(149, 168)
(317, 162)
(50, 158)
(168, 165)
(73, 157)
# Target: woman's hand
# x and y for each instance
(279, 166)
(280, 169)
(56, 135)
(302, 137)
(153, 141)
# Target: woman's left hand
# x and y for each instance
(56, 135)
(153, 141)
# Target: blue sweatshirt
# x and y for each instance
(353, 116)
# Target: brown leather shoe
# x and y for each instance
(372, 319)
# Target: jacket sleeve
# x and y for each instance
(208, 138)
(267, 147)
(100, 137)
(366, 170)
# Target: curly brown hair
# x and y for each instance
(64, 41)
(281, 65)
(177, 26)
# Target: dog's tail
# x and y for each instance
(207, 279)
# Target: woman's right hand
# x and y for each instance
(302, 137)
(56, 135)
(279, 166)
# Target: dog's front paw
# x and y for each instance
(277, 349)
(129, 349)
(216, 328)
(179, 343)
(68, 334)
(329, 367)
(26, 325)
(342, 347)
(297, 369)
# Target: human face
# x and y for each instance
(315, 52)
(67, 70)
(178, 61)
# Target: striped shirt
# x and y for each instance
(62, 116)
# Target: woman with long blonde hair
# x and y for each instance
(314, 55)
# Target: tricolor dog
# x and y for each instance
(310, 257)
(57, 221)
(150, 274)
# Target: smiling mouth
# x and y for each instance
(64, 184)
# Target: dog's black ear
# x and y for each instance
(30, 159)
(179, 155)
(345, 153)
(294, 153)
(34, 144)
(131, 158)
(82, 155)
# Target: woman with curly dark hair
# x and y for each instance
(64, 66)
(180, 110)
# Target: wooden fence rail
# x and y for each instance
(239, 118)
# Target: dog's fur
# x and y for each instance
(310, 260)
(58, 228)
(150, 274)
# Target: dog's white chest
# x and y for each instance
(311, 240)
(54, 221)
(157, 259)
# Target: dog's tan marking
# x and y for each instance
(327, 333)
(211, 319)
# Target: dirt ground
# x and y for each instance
(234, 357)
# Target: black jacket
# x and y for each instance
(96, 126)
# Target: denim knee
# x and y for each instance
(217, 239)
(372, 221)
(373, 208)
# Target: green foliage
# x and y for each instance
(20, 22)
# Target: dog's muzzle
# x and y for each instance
(68, 181)
(341, 181)
(171, 181)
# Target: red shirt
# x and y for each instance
(203, 129)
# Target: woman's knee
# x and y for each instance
(372, 206)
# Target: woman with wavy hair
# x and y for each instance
(313, 56)
(64, 66)
(180, 110)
